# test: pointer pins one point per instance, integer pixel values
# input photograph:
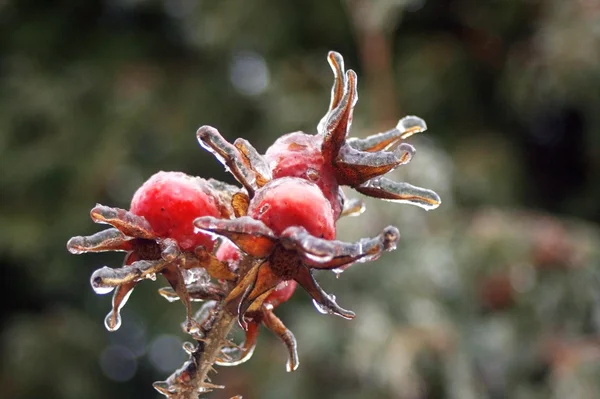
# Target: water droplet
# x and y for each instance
(98, 287)
(102, 290)
(97, 281)
(338, 272)
(112, 321)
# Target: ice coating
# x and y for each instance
(400, 192)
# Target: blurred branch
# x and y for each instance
(373, 22)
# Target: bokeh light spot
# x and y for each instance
(118, 363)
(248, 73)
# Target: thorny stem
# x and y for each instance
(192, 379)
(206, 353)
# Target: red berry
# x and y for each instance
(299, 155)
(170, 201)
(229, 253)
(281, 293)
(291, 201)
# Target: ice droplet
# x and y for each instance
(338, 272)
(112, 321)
(97, 283)
(102, 290)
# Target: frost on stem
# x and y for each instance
(242, 251)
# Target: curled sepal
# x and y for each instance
(250, 235)
(405, 128)
(324, 302)
(339, 120)
(400, 192)
(112, 322)
(354, 167)
(336, 62)
(102, 241)
(236, 355)
(230, 156)
(274, 324)
(216, 268)
(251, 291)
(330, 254)
(126, 222)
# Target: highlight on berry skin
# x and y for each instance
(243, 251)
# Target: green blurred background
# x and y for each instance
(494, 295)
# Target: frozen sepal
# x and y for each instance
(273, 323)
(126, 222)
(400, 192)
(250, 235)
(254, 161)
(252, 290)
(336, 62)
(102, 241)
(332, 254)
(106, 278)
(216, 268)
(231, 157)
(112, 322)
(325, 301)
(405, 128)
(236, 355)
(354, 167)
(339, 120)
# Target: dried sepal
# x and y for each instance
(250, 235)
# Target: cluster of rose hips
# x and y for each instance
(200, 233)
